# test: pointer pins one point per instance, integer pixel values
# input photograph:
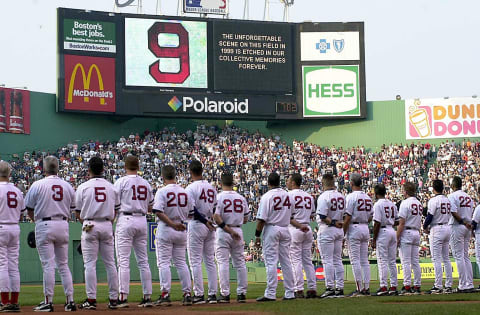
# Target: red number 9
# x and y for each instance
(181, 52)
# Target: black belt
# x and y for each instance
(132, 213)
(359, 223)
(411, 228)
(235, 226)
(51, 218)
(101, 219)
(385, 226)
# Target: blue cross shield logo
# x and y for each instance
(338, 44)
(323, 46)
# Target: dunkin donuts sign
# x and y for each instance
(14, 111)
(442, 118)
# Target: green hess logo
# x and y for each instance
(331, 91)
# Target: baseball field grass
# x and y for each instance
(422, 304)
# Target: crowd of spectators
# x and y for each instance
(250, 156)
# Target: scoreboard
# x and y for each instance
(183, 67)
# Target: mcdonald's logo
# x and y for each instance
(89, 83)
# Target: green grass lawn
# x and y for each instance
(424, 304)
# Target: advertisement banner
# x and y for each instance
(320, 46)
(442, 118)
(330, 91)
(89, 83)
(319, 273)
(166, 53)
(97, 36)
(152, 236)
(428, 271)
(206, 6)
(14, 111)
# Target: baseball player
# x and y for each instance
(231, 212)
(330, 208)
(358, 213)
(408, 239)
(201, 234)
(96, 203)
(136, 198)
(274, 214)
(436, 223)
(385, 216)
(172, 208)
(461, 232)
(49, 202)
(476, 231)
(301, 246)
(11, 206)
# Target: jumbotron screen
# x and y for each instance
(183, 67)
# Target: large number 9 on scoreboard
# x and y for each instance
(181, 52)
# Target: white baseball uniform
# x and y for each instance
(52, 200)
(233, 209)
(276, 210)
(460, 237)
(331, 204)
(201, 241)
(11, 205)
(359, 208)
(440, 207)
(97, 202)
(173, 201)
(385, 212)
(411, 211)
(301, 246)
(135, 196)
(476, 218)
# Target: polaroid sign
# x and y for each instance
(206, 6)
(331, 91)
(204, 105)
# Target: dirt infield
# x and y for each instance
(177, 308)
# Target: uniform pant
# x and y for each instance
(226, 246)
(301, 256)
(99, 240)
(460, 243)
(52, 246)
(387, 255)
(9, 252)
(358, 236)
(477, 248)
(201, 246)
(330, 246)
(439, 239)
(172, 244)
(409, 246)
(131, 231)
(276, 247)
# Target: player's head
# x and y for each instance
(227, 179)
(328, 181)
(95, 166)
(380, 191)
(168, 172)
(356, 180)
(50, 165)
(410, 189)
(4, 169)
(438, 186)
(196, 168)
(273, 179)
(456, 183)
(294, 181)
(131, 163)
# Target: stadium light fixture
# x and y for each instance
(446, 97)
(474, 96)
(398, 97)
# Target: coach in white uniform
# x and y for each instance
(385, 216)
(330, 209)
(172, 208)
(301, 246)
(96, 204)
(201, 235)
(49, 202)
(408, 239)
(136, 198)
(231, 212)
(358, 214)
(11, 206)
(461, 234)
(275, 213)
(436, 223)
